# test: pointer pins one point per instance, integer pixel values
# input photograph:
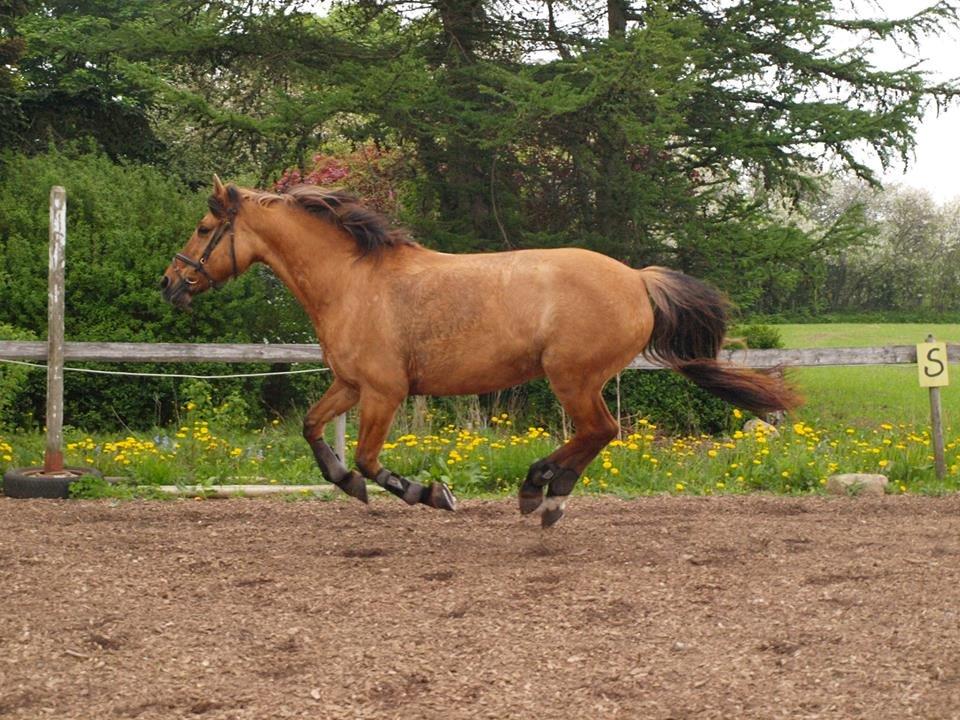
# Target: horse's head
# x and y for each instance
(213, 255)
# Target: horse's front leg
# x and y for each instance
(376, 415)
(339, 398)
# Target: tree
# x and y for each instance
(657, 131)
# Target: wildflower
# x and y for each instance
(737, 414)
(679, 487)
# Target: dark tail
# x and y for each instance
(689, 324)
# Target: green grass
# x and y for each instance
(863, 396)
(865, 335)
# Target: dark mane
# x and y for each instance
(370, 229)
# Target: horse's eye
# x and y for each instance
(203, 230)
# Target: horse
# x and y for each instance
(394, 318)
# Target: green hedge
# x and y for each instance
(124, 223)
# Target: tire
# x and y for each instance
(33, 482)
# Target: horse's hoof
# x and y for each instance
(531, 495)
(441, 497)
(529, 503)
(552, 511)
(355, 486)
(550, 518)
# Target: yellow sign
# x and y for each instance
(932, 364)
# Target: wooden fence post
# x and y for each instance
(53, 455)
(936, 412)
(340, 437)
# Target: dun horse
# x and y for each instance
(396, 319)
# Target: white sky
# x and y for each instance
(936, 165)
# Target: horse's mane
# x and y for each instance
(370, 229)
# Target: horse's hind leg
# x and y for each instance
(559, 471)
(376, 414)
(339, 398)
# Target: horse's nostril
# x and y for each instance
(164, 281)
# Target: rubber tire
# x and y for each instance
(32, 483)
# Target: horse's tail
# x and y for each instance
(689, 324)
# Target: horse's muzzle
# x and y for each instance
(177, 293)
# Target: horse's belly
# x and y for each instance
(471, 371)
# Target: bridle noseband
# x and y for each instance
(199, 265)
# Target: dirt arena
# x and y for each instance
(738, 607)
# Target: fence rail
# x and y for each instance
(304, 353)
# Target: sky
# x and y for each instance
(936, 165)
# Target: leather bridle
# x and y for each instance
(199, 265)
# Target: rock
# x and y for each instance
(755, 425)
(856, 484)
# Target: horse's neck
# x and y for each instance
(312, 258)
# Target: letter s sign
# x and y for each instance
(932, 364)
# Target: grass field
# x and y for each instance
(864, 334)
(865, 396)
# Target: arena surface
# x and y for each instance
(735, 607)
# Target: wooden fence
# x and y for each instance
(122, 352)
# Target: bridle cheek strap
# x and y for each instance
(199, 265)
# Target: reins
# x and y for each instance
(199, 265)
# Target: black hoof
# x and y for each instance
(440, 496)
(355, 486)
(551, 517)
(531, 498)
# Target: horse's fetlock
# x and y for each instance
(563, 483)
(366, 468)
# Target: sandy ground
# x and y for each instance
(737, 607)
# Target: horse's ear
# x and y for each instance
(218, 189)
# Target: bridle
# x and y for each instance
(199, 265)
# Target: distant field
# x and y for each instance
(866, 334)
(867, 396)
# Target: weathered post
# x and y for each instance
(933, 374)
(53, 456)
(340, 439)
(53, 479)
